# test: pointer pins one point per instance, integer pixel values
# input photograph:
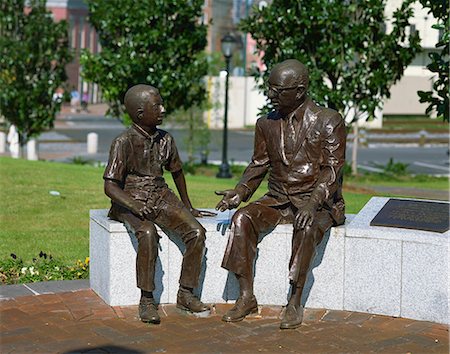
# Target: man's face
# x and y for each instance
(284, 92)
(153, 111)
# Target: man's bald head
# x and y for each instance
(136, 97)
(290, 72)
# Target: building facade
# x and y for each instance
(81, 36)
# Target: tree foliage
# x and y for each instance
(158, 42)
(353, 60)
(33, 53)
(438, 99)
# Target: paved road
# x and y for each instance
(424, 160)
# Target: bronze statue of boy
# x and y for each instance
(141, 199)
(302, 147)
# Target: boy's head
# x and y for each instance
(144, 105)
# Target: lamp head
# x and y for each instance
(228, 44)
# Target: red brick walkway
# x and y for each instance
(80, 321)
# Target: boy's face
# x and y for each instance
(153, 111)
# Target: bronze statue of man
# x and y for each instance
(302, 147)
(141, 199)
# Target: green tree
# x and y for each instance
(438, 99)
(33, 53)
(353, 60)
(198, 134)
(159, 42)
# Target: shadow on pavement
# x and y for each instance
(105, 349)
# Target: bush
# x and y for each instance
(347, 169)
(395, 168)
(14, 270)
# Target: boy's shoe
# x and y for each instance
(148, 311)
(243, 307)
(189, 302)
(293, 317)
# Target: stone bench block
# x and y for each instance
(396, 272)
(113, 254)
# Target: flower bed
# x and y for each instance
(14, 270)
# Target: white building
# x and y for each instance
(404, 99)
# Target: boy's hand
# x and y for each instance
(200, 213)
(139, 209)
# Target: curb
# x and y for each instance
(9, 292)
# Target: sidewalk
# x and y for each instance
(97, 109)
(80, 322)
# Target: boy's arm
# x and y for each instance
(180, 183)
(117, 195)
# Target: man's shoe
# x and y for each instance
(148, 311)
(189, 302)
(292, 318)
(243, 307)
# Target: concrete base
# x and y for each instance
(358, 267)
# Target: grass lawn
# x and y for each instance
(399, 123)
(33, 220)
(419, 181)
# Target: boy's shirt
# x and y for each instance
(136, 162)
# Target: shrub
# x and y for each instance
(395, 168)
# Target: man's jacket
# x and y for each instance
(311, 172)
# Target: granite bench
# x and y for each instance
(380, 270)
(113, 254)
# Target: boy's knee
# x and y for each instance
(198, 235)
(147, 233)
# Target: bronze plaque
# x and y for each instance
(413, 214)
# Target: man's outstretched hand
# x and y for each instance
(231, 199)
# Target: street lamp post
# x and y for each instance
(228, 44)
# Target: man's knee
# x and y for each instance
(242, 218)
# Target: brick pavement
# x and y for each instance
(80, 322)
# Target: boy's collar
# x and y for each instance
(144, 133)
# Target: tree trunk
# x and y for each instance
(355, 149)
(22, 143)
(190, 142)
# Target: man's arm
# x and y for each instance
(333, 154)
(252, 176)
(257, 169)
(180, 183)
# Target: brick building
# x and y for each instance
(81, 36)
